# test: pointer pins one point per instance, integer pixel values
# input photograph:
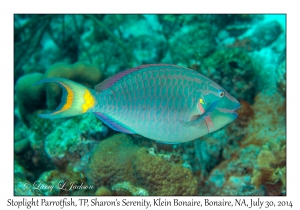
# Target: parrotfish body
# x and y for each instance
(162, 102)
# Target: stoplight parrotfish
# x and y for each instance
(166, 103)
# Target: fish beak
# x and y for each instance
(238, 105)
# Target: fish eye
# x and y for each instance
(221, 93)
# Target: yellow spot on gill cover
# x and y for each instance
(69, 100)
(89, 101)
(201, 101)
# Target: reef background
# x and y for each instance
(245, 54)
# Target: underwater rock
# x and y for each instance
(21, 132)
(103, 191)
(192, 43)
(225, 20)
(106, 55)
(238, 29)
(232, 69)
(265, 34)
(160, 177)
(166, 153)
(19, 170)
(233, 176)
(268, 123)
(187, 152)
(21, 146)
(281, 78)
(37, 132)
(73, 139)
(126, 188)
(88, 75)
(243, 44)
(236, 130)
(41, 127)
(64, 183)
(21, 190)
(117, 159)
(172, 23)
(22, 187)
(245, 113)
(29, 98)
(49, 184)
(60, 141)
(111, 161)
(105, 44)
(222, 34)
(246, 165)
(141, 35)
(34, 65)
(243, 169)
(149, 48)
(265, 63)
(271, 172)
(208, 153)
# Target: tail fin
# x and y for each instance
(76, 99)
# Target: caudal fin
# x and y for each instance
(76, 99)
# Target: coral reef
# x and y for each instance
(162, 178)
(103, 191)
(72, 140)
(272, 124)
(191, 44)
(21, 145)
(21, 183)
(66, 182)
(247, 165)
(271, 171)
(29, 97)
(265, 34)
(117, 159)
(208, 153)
(281, 79)
(126, 188)
(111, 161)
(233, 175)
(239, 126)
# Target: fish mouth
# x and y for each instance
(235, 115)
(238, 105)
(232, 110)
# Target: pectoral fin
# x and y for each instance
(209, 123)
(197, 119)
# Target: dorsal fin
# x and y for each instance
(113, 79)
